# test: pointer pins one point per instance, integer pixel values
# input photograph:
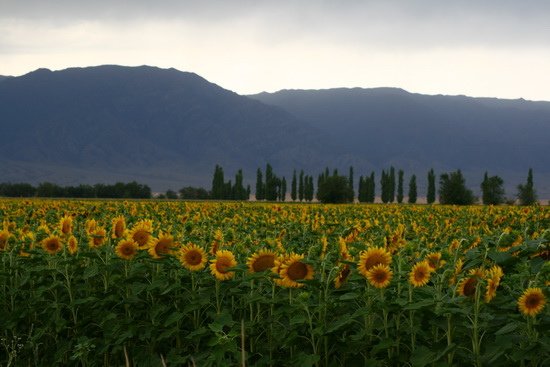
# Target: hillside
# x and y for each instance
(163, 127)
(415, 132)
(168, 129)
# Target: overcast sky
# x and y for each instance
(497, 48)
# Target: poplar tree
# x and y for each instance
(400, 186)
(492, 190)
(218, 185)
(361, 192)
(412, 190)
(526, 193)
(283, 190)
(259, 185)
(293, 187)
(385, 183)
(430, 196)
(392, 185)
(371, 189)
(301, 186)
(352, 192)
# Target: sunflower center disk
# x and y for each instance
(263, 263)
(297, 271)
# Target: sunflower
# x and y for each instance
(126, 249)
(434, 260)
(164, 245)
(467, 286)
(295, 269)
(372, 257)
(220, 266)
(97, 237)
(458, 268)
(192, 257)
(66, 224)
(277, 266)
(4, 236)
(531, 302)
(490, 291)
(261, 261)
(118, 227)
(52, 245)
(91, 225)
(344, 252)
(420, 274)
(380, 276)
(324, 245)
(141, 234)
(342, 276)
(72, 245)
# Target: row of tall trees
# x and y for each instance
(119, 190)
(226, 190)
(273, 188)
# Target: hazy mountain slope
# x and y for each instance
(134, 121)
(416, 132)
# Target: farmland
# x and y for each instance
(149, 283)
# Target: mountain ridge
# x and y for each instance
(169, 128)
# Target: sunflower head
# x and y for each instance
(293, 270)
(380, 276)
(52, 245)
(221, 264)
(420, 274)
(164, 245)
(142, 234)
(97, 237)
(118, 229)
(72, 245)
(126, 249)
(434, 260)
(467, 286)
(192, 257)
(372, 257)
(342, 276)
(261, 261)
(4, 237)
(91, 225)
(532, 302)
(66, 225)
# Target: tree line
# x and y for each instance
(332, 187)
(119, 190)
(336, 188)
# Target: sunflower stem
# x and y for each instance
(218, 303)
(476, 342)
(411, 321)
(449, 339)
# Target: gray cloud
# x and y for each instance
(390, 23)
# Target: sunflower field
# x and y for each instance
(151, 283)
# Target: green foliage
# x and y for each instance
(492, 190)
(526, 192)
(334, 189)
(293, 187)
(400, 186)
(412, 190)
(452, 189)
(301, 187)
(171, 194)
(131, 190)
(260, 195)
(93, 308)
(194, 193)
(430, 195)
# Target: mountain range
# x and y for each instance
(168, 129)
